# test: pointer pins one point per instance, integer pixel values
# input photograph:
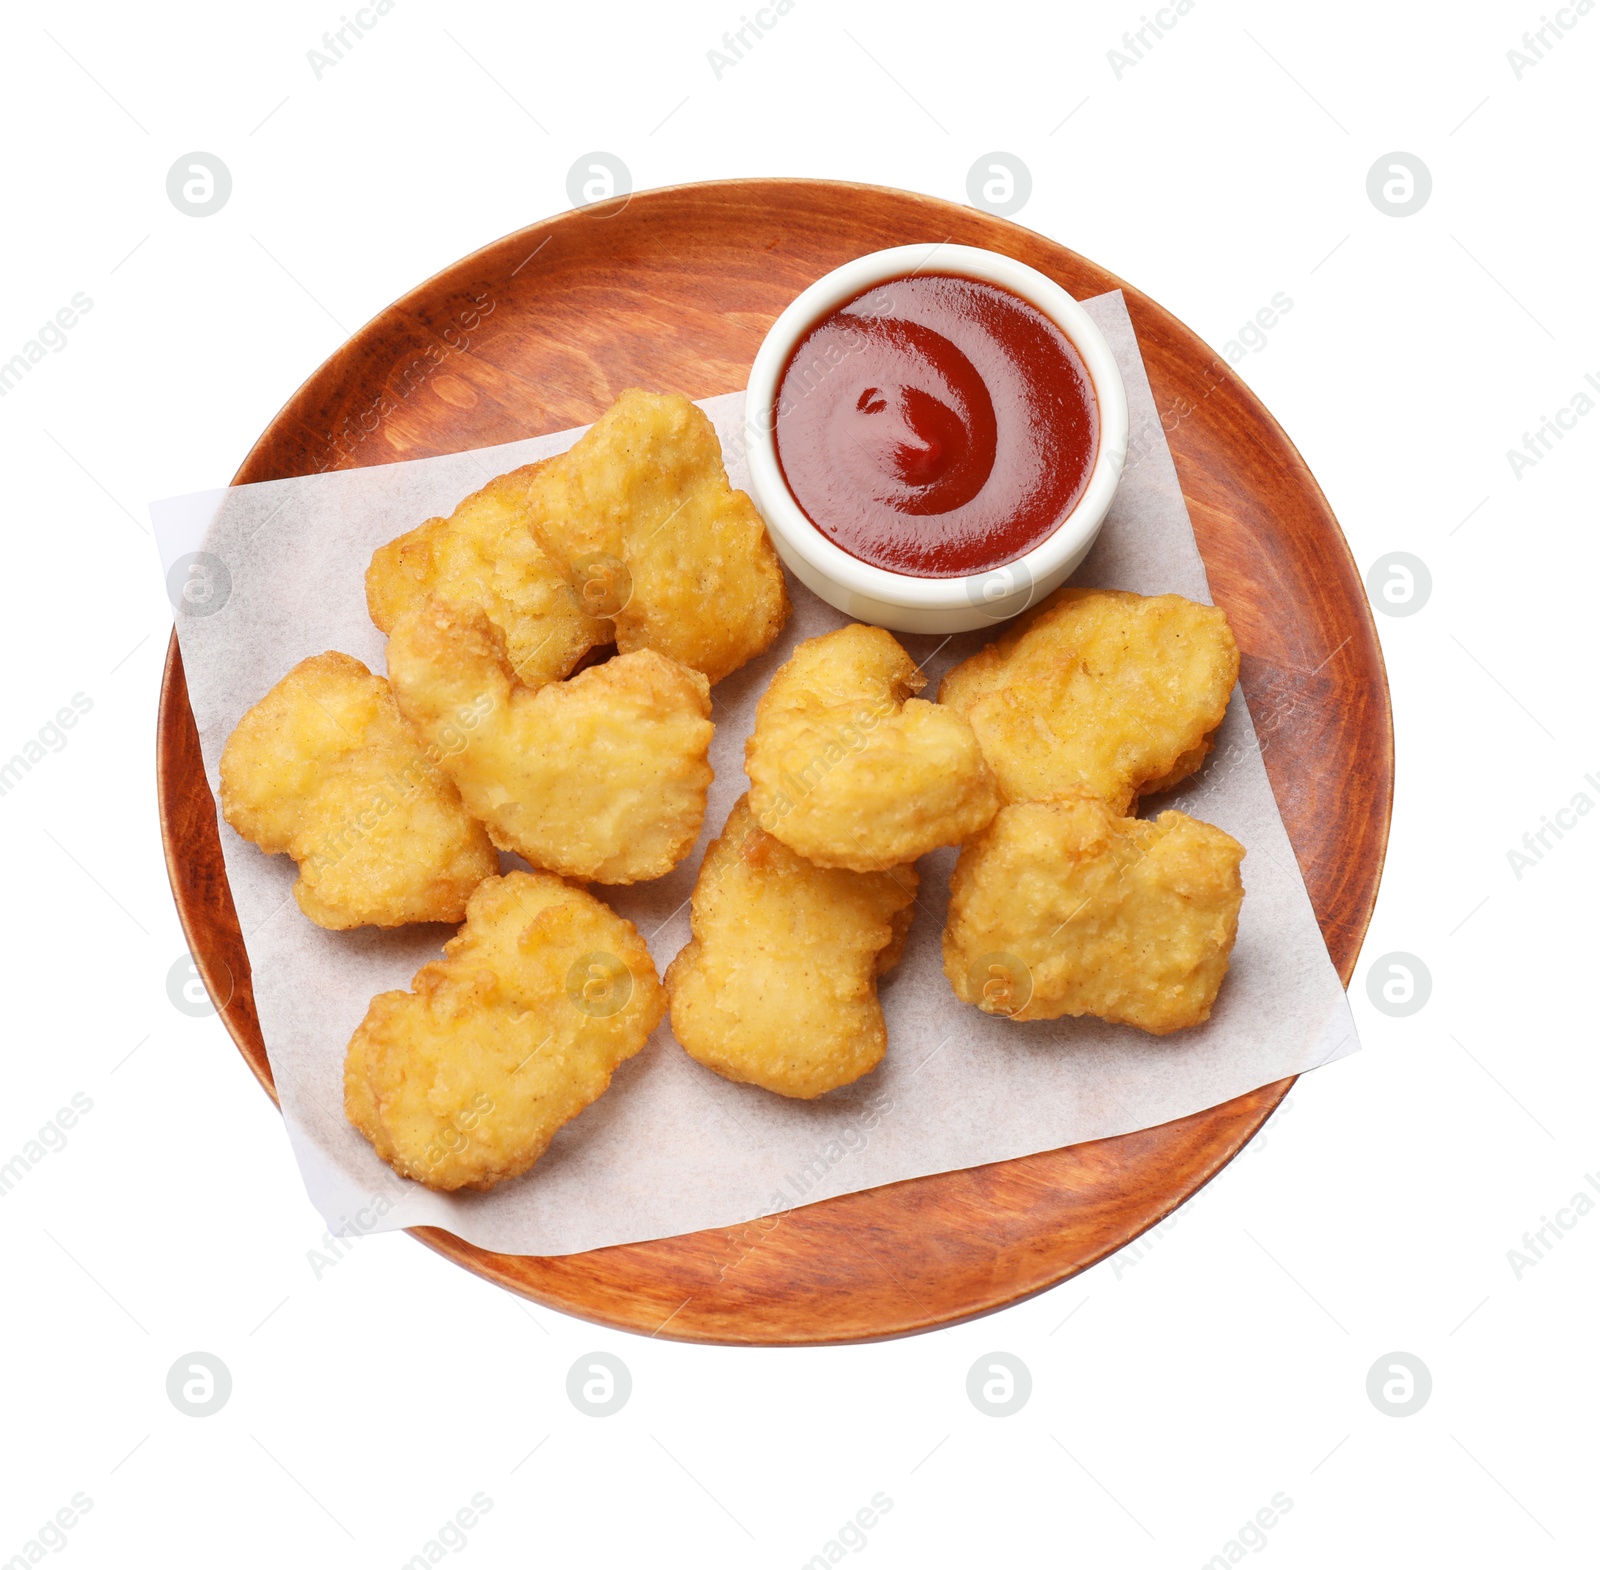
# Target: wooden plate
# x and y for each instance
(674, 289)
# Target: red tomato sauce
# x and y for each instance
(936, 426)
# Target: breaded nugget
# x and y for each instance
(1117, 694)
(484, 554)
(1065, 907)
(325, 769)
(850, 770)
(462, 1081)
(603, 776)
(779, 986)
(645, 488)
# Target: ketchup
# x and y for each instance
(936, 426)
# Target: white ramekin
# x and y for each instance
(892, 599)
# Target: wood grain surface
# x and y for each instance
(673, 290)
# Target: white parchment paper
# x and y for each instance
(671, 1147)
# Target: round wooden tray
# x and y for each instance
(674, 290)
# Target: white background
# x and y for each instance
(1172, 1397)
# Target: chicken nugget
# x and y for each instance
(850, 770)
(325, 769)
(484, 554)
(1066, 907)
(778, 987)
(1117, 694)
(642, 508)
(462, 1081)
(601, 777)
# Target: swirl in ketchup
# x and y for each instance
(936, 426)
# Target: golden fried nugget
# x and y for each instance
(1066, 907)
(850, 770)
(779, 986)
(1117, 694)
(484, 554)
(325, 769)
(641, 508)
(462, 1081)
(601, 777)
